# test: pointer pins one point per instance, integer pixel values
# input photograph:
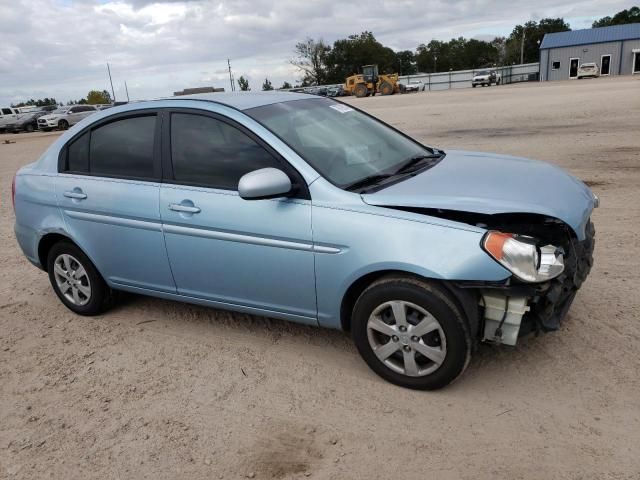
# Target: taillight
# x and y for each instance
(13, 193)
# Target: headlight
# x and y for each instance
(521, 256)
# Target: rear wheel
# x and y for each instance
(76, 281)
(28, 128)
(386, 88)
(411, 333)
(361, 90)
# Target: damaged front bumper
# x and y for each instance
(513, 309)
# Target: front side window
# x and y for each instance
(341, 143)
(123, 148)
(6, 111)
(209, 152)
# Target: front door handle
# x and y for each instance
(75, 194)
(179, 207)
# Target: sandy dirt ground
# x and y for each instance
(158, 389)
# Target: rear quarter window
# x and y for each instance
(123, 148)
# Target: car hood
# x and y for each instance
(492, 184)
(480, 77)
(51, 117)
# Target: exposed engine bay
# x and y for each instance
(514, 308)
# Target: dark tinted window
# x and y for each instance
(6, 111)
(123, 148)
(78, 154)
(210, 152)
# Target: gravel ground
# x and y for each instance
(158, 389)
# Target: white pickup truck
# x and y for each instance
(8, 115)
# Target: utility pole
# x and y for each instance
(126, 90)
(111, 81)
(233, 88)
(524, 33)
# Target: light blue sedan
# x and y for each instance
(307, 209)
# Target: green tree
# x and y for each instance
(624, 16)
(310, 59)
(533, 33)
(405, 63)
(266, 86)
(347, 56)
(286, 86)
(97, 97)
(243, 83)
(457, 54)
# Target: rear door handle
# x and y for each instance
(75, 194)
(178, 207)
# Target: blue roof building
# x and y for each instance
(615, 50)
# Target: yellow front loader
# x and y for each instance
(369, 82)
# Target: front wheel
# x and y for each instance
(63, 125)
(411, 333)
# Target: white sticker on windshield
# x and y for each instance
(341, 108)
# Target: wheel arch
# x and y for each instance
(48, 240)
(466, 299)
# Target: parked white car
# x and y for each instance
(588, 70)
(64, 117)
(486, 77)
(415, 86)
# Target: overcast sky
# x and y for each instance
(59, 48)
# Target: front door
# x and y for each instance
(606, 65)
(255, 255)
(108, 191)
(573, 67)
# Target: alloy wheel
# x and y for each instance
(72, 279)
(406, 338)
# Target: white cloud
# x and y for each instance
(60, 47)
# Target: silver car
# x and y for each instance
(64, 117)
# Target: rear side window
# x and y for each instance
(123, 148)
(78, 154)
(6, 111)
(206, 151)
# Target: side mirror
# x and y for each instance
(264, 183)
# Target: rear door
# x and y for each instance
(108, 189)
(256, 254)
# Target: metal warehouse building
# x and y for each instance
(616, 51)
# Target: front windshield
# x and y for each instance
(483, 73)
(342, 144)
(60, 110)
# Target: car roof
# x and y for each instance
(244, 100)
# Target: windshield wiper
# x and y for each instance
(368, 181)
(416, 160)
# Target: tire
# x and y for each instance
(386, 88)
(28, 128)
(474, 85)
(361, 90)
(91, 295)
(448, 339)
(63, 125)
